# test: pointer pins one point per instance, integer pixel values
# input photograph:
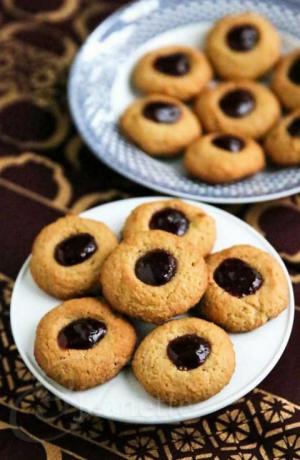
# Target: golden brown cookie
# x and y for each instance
(154, 276)
(67, 256)
(82, 343)
(218, 158)
(244, 45)
(184, 361)
(160, 125)
(177, 217)
(241, 107)
(282, 144)
(286, 80)
(177, 71)
(246, 288)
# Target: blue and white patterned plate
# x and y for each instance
(99, 90)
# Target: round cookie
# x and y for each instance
(67, 256)
(82, 343)
(154, 276)
(160, 125)
(218, 158)
(177, 71)
(246, 288)
(241, 107)
(243, 46)
(184, 361)
(286, 80)
(177, 217)
(282, 144)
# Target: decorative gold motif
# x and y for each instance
(61, 13)
(232, 426)
(187, 439)
(287, 448)
(52, 452)
(72, 152)
(6, 286)
(142, 448)
(275, 409)
(28, 70)
(4, 426)
(40, 402)
(86, 426)
(63, 192)
(62, 123)
(12, 31)
(243, 456)
(95, 9)
(23, 374)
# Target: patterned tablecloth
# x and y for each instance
(46, 171)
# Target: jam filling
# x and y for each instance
(230, 143)
(82, 334)
(238, 278)
(75, 249)
(188, 351)
(237, 103)
(162, 112)
(170, 220)
(243, 38)
(156, 268)
(175, 65)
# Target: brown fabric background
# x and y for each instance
(46, 171)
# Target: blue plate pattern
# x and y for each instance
(94, 72)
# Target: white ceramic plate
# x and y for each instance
(100, 90)
(123, 398)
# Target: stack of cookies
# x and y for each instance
(225, 127)
(162, 268)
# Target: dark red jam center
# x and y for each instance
(237, 277)
(162, 112)
(75, 249)
(176, 64)
(170, 220)
(156, 267)
(243, 38)
(237, 103)
(294, 128)
(228, 142)
(82, 334)
(294, 72)
(188, 351)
